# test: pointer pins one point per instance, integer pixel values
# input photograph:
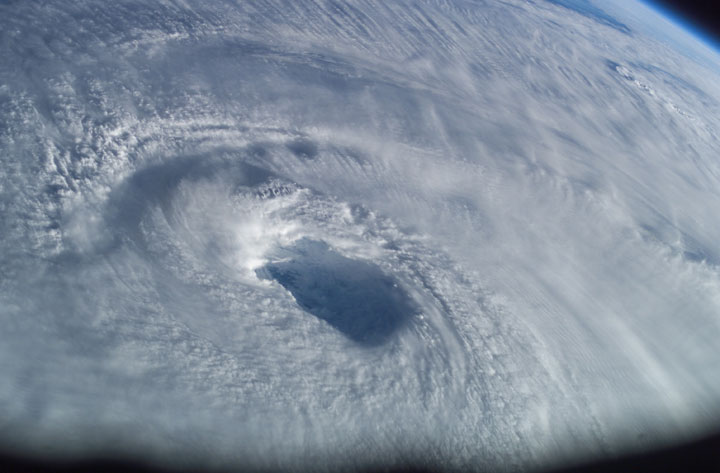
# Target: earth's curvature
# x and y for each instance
(338, 234)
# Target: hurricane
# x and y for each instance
(326, 235)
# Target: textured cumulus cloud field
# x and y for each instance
(334, 234)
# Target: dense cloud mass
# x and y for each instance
(337, 234)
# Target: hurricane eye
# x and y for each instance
(355, 297)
